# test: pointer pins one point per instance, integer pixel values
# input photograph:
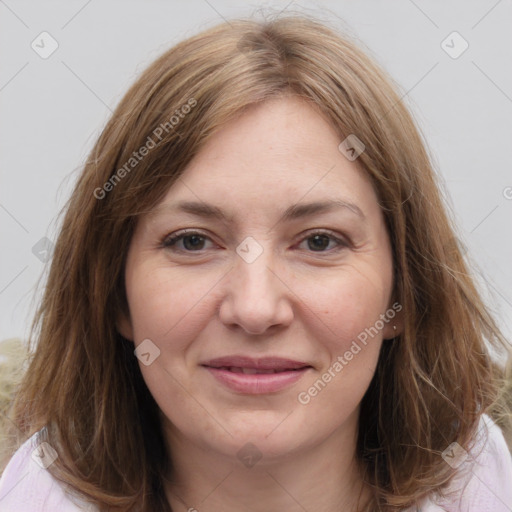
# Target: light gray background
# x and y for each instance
(52, 110)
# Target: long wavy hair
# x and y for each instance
(83, 383)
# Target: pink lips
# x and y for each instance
(256, 376)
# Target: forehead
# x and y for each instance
(276, 153)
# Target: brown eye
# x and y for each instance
(318, 242)
(187, 242)
(322, 242)
(193, 242)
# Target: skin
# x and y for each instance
(197, 302)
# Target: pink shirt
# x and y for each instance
(483, 482)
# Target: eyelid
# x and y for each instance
(341, 240)
(176, 235)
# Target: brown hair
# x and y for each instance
(432, 383)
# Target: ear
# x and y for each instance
(124, 326)
(394, 324)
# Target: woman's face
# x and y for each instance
(259, 289)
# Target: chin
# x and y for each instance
(272, 436)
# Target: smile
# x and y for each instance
(256, 376)
(250, 371)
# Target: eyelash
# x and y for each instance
(170, 241)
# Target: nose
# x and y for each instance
(256, 300)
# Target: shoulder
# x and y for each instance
(484, 474)
(27, 485)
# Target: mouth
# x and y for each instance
(256, 376)
(253, 371)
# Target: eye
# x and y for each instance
(187, 241)
(322, 242)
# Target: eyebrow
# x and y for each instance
(293, 212)
(298, 210)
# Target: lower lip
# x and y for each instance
(257, 383)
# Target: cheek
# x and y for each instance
(345, 304)
(348, 327)
(167, 305)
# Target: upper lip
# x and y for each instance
(264, 363)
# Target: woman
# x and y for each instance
(257, 301)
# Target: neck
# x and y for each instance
(324, 478)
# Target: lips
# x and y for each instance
(263, 365)
(256, 376)
(247, 371)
